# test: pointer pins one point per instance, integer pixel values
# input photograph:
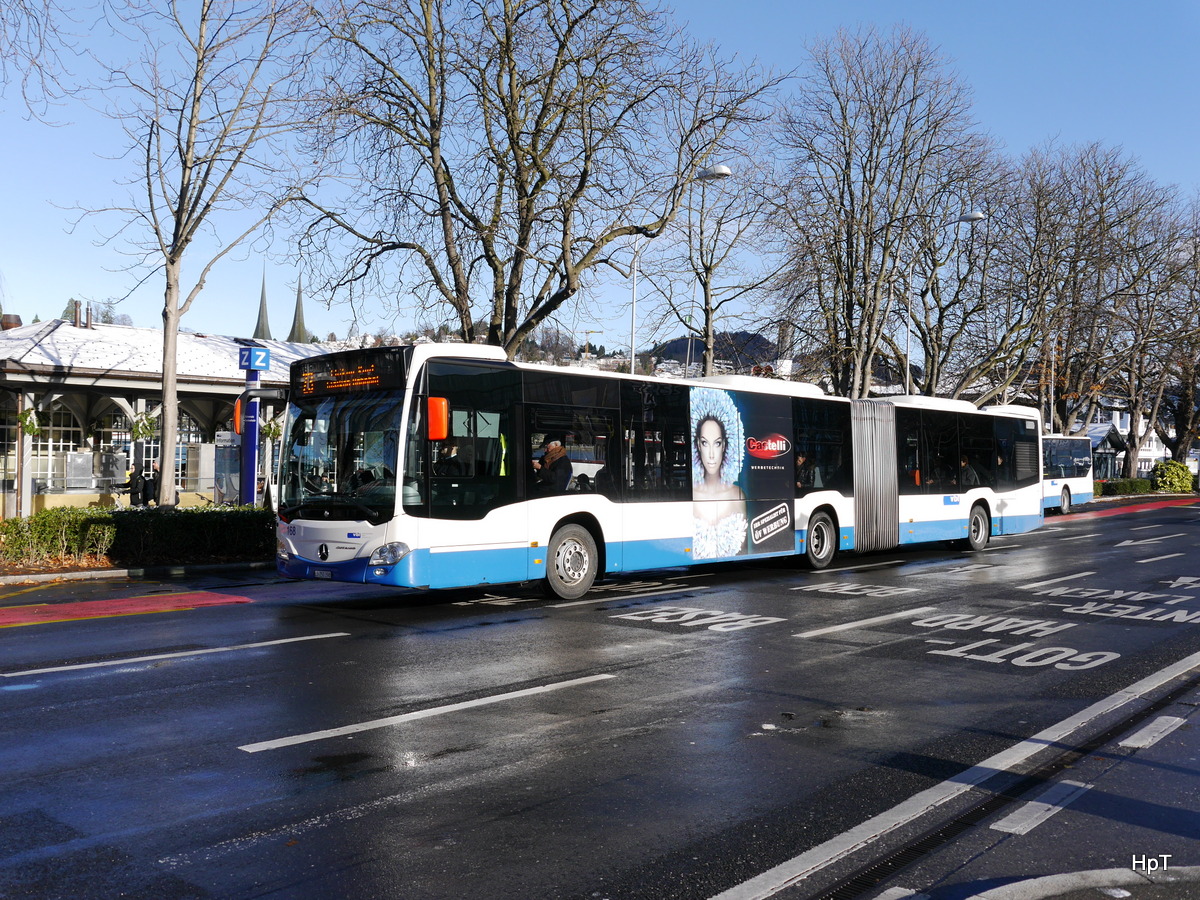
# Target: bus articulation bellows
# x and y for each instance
(429, 466)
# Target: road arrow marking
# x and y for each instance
(1153, 540)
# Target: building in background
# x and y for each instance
(79, 402)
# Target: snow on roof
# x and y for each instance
(126, 349)
(1100, 432)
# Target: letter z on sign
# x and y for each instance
(694, 617)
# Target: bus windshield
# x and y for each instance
(340, 457)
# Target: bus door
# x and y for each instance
(474, 530)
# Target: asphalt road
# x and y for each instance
(745, 730)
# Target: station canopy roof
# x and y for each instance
(58, 352)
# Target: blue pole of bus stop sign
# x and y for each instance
(253, 360)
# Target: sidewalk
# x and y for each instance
(81, 574)
(1123, 821)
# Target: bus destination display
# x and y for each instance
(348, 373)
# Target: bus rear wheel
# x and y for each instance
(979, 528)
(571, 562)
(821, 543)
(1064, 506)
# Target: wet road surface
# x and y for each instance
(742, 730)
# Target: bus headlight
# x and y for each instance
(281, 551)
(389, 554)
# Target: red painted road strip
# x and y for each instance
(1134, 507)
(126, 606)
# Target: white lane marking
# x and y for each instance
(795, 870)
(1035, 812)
(1157, 558)
(419, 714)
(608, 598)
(1078, 537)
(1152, 733)
(1038, 584)
(862, 623)
(141, 659)
(1145, 527)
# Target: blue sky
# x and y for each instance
(1116, 72)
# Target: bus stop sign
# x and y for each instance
(254, 359)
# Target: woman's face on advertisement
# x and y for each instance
(710, 442)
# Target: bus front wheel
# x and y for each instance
(571, 562)
(821, 543)
(1064, 507)
(979, 529)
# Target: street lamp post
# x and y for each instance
(637, 252)
(969, 218)
(710, 173)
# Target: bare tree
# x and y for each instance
(1098, 248)
(204, 109)
(1149, 325)
(882, 131)
(719, 259)
(496, 152)
(1178, 424)
(32, 43)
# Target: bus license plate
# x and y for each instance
(323, 573)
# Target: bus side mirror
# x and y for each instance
(438, 418)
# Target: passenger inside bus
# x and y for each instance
(968, 475)
(552, 472)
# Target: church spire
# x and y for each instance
(262, 331)
(298, 334)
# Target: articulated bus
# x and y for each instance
(1066, 472)
(427, 466)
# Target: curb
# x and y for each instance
(146, 572)
(1050, 886)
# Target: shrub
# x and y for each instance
(61, 533)
(1171, 475)
(140, 536)
(1122, 486)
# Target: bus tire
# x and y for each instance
(1064, 506)
(979, 528)
(571, 562)
(820, 546)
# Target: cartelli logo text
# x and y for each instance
(770, 447)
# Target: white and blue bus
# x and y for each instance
(415, 466)
(1066, 472)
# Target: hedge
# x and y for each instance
(140, 536)
(1122, 486)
